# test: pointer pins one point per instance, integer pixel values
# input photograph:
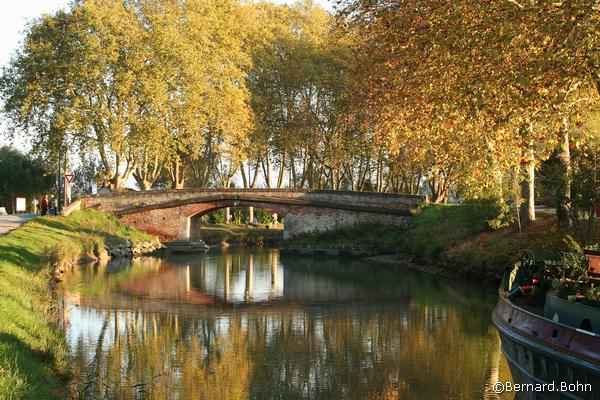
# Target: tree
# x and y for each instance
(74, 80)
(86, 175)
(22, 176)
(469, 89)
(213, 115)
(300, 80)
(139, 82)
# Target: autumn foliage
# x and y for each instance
(452, 99)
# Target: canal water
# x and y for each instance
(254, 323)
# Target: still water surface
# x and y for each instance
(254, 323)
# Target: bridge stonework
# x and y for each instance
(175, 214)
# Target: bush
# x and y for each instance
(217, 217)
(593, 294)
(493, 210)
(263, 217)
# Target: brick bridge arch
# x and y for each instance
(172, 214)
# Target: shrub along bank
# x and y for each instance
(33, 353)
(468, 239)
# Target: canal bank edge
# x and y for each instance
(33, 352)
(101, 253)
(450, 240)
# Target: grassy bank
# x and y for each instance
(239, 235)
(455, 237)
(33, 354)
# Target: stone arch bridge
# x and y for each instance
(175, 214)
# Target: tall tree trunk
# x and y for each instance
(320, 177)
(177, 175)
(118, 181)
(66, 187)
(527, 213)
(293, 172)
(564, 201)
(147, 172)
(386, 184)
(255, 177)
(438, 184)
(281, 172)
(243, 172)
(266, 166)
(304, 169)
(531, 182)
(143, 184)
(349, 171)
(378, 173)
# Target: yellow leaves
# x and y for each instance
(137, 75)
(472, 61)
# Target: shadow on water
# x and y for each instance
(247, 323)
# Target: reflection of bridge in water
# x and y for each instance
(203, 280)
(231, 278)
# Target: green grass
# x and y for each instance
(33, 353)
(239, 234)
(437, 228)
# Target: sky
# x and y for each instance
(13, 20)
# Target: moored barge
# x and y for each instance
(550, 340)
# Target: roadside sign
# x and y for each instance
(69, 177)
(21, 204)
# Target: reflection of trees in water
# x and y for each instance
(154, 356)
(412, 355)
(350, 330)
(419, 352)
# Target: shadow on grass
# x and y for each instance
(30, 366)
(108, 237)
(20, 256)
(53, 224)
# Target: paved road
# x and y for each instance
(10, 222)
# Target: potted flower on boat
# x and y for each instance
(565, 288)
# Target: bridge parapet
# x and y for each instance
(117, 202)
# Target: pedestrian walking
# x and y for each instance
(45, 205)
(55, 205)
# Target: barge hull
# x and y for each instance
(539, 356)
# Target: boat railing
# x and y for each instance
(592, 258)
